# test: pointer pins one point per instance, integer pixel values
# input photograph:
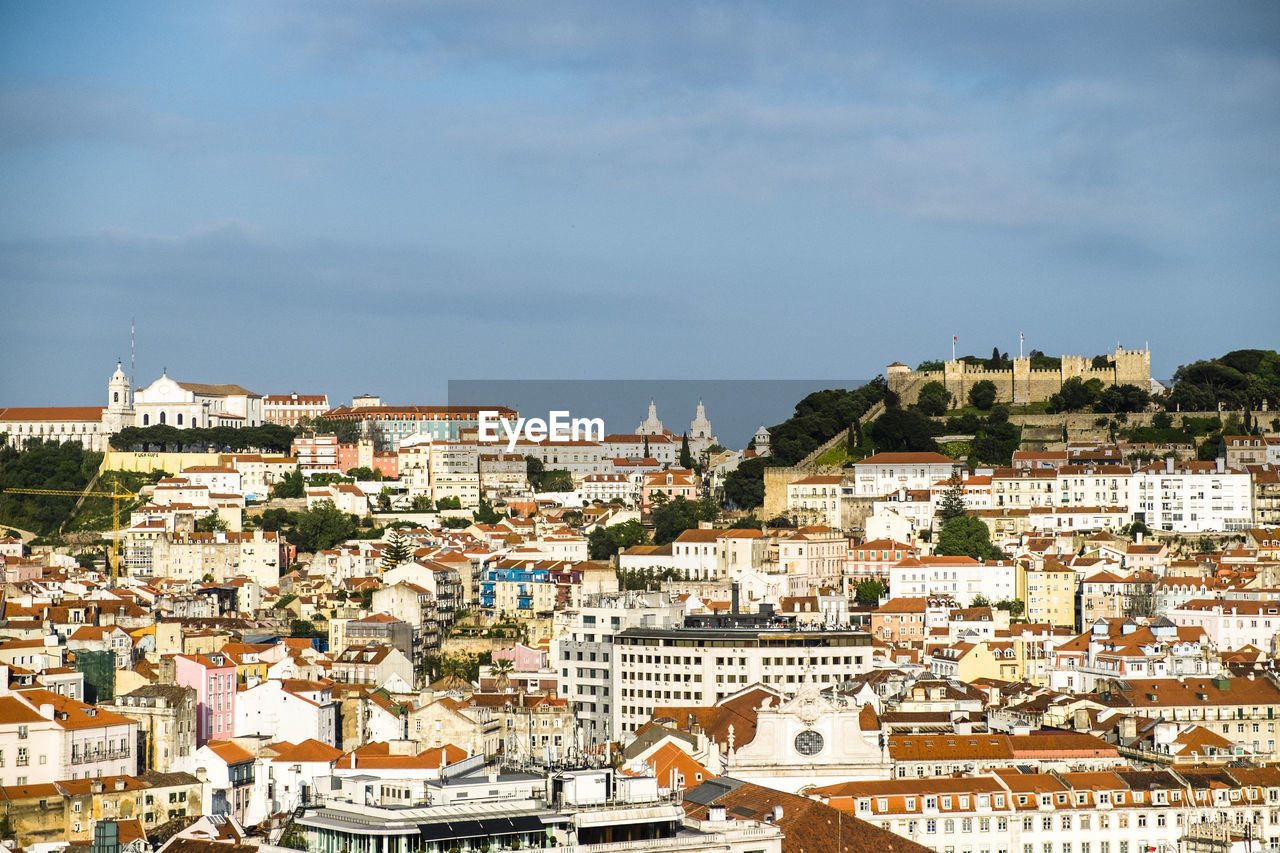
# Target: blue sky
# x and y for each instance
(383, 196)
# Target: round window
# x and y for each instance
(809, 742)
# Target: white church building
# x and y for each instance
(164, 401)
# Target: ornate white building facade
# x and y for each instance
(165, 401)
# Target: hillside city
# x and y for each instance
(983, 605)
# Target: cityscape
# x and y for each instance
(438, 427)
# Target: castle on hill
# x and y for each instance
(1021, 384)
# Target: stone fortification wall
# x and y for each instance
(1021, 384)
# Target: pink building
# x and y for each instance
(523, 658)
(362, 455)
(674, 483)
(214, 679)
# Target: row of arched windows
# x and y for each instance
(146, 419)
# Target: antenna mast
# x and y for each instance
(132, 356)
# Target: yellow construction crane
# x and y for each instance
(116, 496)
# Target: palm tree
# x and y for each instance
(453, 672)
(501, 671)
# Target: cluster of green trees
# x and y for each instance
(673, 517)
(1078, 395)
(1243, 378)
(904, 430)
(316, 529)
(1015, 606)
(646, 578)
(163, 437)
(961, 534)
(995, 438)
(347, 432)
(819, 417)
(454, 667)
(604, 542)
(542, 479)
(43, 465)
(869, 592)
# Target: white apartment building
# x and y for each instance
(1092, 485)
(582, 648)
(288, 409)
(961, 578)
(721, 555)
(47, 737)
(816, 499)
(1192, 496)
(1133, 811)
(812, 558)
(455, 472)
(1232, 624)
(1023, 488)
(608, 487)
(701, 666)
(218, 479)
(889, 472)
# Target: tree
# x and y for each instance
(903, 430)
(322, 527)
(396, 550)
(952, 504)
(486, 514)
(292, 486)
(604, 542)
(450, 502)
(302, 628)
(276, 518)
(934, 399)
(983, 394)
(744, 486)
(678, 515)
(364, 473)
(646, 447)
(686, 457)
(1075, 394)
(1136, 529)
(501, 670)
(966, 536)
(1015, 607)
(211, 523)
(869, 592)
(980, 600)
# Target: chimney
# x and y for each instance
(1081, 721)
(733, 599)
(1220, 465)
(1129, 728)
(1168, 464)
(119, 783)
(716, 814)
(95, 787)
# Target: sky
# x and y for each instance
(381, 197)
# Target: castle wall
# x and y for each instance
(1021, 384)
